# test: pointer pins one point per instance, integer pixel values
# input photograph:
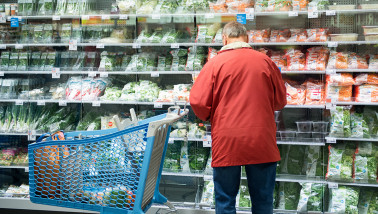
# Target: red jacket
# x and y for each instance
(239, 90)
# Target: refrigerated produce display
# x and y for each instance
(73, 65)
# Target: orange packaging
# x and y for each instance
(316, 58)
(278, 58)
(260, 36)
(357, 62)
(295, 95)
(299, 5)
(218, 7)
(250, 34)
(338, 60)
(279, 35)
(298, 35)
(366, 79)
(296, 60)
(317, 35)
(314, 93)
(366, 93)
(373, 62)
(340, 79)
(339, 93)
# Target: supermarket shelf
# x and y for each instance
(299, 178)
(360, 184)
(26, 204)
(356, 70)
(14, 134)
(137, 45)
(91, 102)
(357, 103)
(306, 106)
(99, 72)
(15, 167)
(358, 139)
(303, 72)
(183, 174)
(300, 143)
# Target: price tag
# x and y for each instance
(55, 73)
(293, 13)
(100, 45)
(333, 44)
(206, 141)
(330, 12)
(155, 16)
(96, 103)
(104, 74)
(330, 106)
(41, 103)
(19, 102)
(32, 136)
(313, 14)
(26, 169)
(209, 15)
(136, 45)
(250, 13)
(332, 185)
(330, 139)
(1, 73)
(18, 46)
(207, 178)
(124, 17)
(330, 71)
(85, 17)
(91, 73)
(56, 18)
(158, 105)
(105, 17)
(62, 103)
(154, 74)
(72, 45)
(3, 47)
(171, 140)
(101, 69)
(175, 45)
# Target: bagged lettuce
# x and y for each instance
(359, 127)
(340, 162)
(244, 199)
(311, 197)
(364, 201)
(208, 193)
(340, 122)
(172, 158)
(198, 156)
(373, 206)
(288, 195)
(313, 161)
(344, 200)
(295, 160)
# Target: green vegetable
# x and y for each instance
(28, 7)
(143, 37)
(156, 37)
(47, 33)
(340, 122)
(43, 60)
(360, 129)
(179, 57)
(288, 195)
(198, 156)
(23, 61)
(168, 6)
(13, 61)
(365, 168)
(311, 197)
(106, 61)
(340, 162)
(61, 7)
(38, 34)
(295, 160)
(313, 163)
(65, 33)
(172, 158)
(208, 193)
(373, 206)
(344, 200)
(50, 61)
(112, 93)
(45, 7)
(244, 197)
(25, 34)
(4, 60)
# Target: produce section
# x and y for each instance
(73, 65)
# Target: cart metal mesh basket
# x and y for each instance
(108, 171)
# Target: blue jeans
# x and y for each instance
(261, 181)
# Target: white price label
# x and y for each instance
(85, 17)
(158, 105)
(105, 17)
(209, 15)
(72, 45)
(100, 45)
(62, 103)
(56, 18)
(104, 74)
(206, 143)
(3, 18)
(124, 17)
(313, 14)
(18, 46)
(19, 102)
(1, 74)
(32, 136)
(55, 73)
(330, 12)
(96, 103)
(26, 169)
(136, 45)
(91, 73)
(3, 47)
(155, 16)
(171, 141)
(332, 185)
(333, 44)
(207, 178)
(293, 13)
(330, 139)
(41, 103)
(330, 71)
(330, 106)
(175, 45)
(101, 69)
(154, 74)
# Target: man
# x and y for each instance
(238, 91)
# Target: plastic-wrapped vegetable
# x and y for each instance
(179, 59)
(295, 160)
(112, 94)
(171, 36)
(147, 7)
(340, 122)
(311, 197)
(25, 34)
(61, 7)
(373, 206)
(243, 199)
(65, 33)
(195, 5)
(364, 201)
(13, 61)
(198, 156)
(208, 193)
(45, 7)
(166, 6)
(288, 195)
(23, 61)
(344, 200)
(73, 7)
(313, 162)
(91, 121)
(5, 55)
(143, 37)
(365, 168)
(38, 34)
(206, 33)
(359, 127)
(147, 91)
(172, 158)
(47, 33)
(340, 162)
(50, 61)
(156, 37)
(106, 63)
(126, 6)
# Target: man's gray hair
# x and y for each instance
(234, 30)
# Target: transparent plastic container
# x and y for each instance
(371, 37)
(320, 126)
(288, 135)
(370, 29)
(304, 136)
(304, 126)
(344, 37)
(276, 115)
(319, 136)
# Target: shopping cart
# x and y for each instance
(108, 171)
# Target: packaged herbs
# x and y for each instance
(23, 61)
(43, 61)
(4, 61)
(25, 34)
(179, 57)
(106, 62)
(340, 162)
(288, 195)
(13, 61)
(50, 61)
(35, 61)
(64, 60)
(344, 200)
(47, 33)
(28, 7)
(38, 34)
(61, 7)
(65, 33)
(198, 156)
(359, 127)
(311, 197)
(45, 7)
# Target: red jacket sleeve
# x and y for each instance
(279, 87)
(201, 95)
